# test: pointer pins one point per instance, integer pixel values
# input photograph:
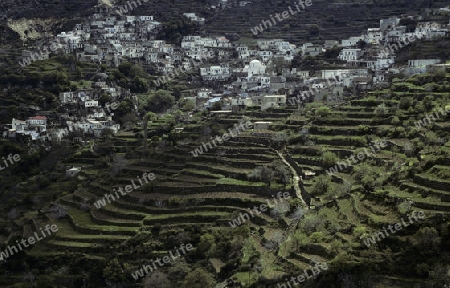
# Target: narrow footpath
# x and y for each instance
(295, 177)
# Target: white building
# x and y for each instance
(352, 41)
(350, 54)
(91, 103)
(67, 97)
(265, 55)
(269, 101)
(204, 93)
(242, 101)
(268, 44)
(194, 18)
(373, 36)
(255, 67)
(243, 52)
(419, 63)
(145, 18)
(18, 125)
(309, 49)
(37, 120)
(388, 24)
(215, 73)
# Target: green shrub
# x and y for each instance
(316, 237)
(322, 111)
(329, 159)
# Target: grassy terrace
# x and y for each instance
(193, 199)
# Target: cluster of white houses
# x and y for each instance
(235, 75)
(36, 128)
(84, 115)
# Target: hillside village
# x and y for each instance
(249, 76)
(266, 157)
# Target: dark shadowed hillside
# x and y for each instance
(325, 19)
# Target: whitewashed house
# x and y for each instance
(243, 52)
(420, 63)
(204, 93)
(212, 73)
(269, 101)
(309, 49)
(265, 56)
(352, 41)
(350, 54)
(36, 120)
(194, 18)
(388, 24)
(373, 36)
(18, 125)
(67, 97)
(91, 103)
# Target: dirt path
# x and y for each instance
(295, 177)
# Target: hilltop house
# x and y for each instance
(270, 101)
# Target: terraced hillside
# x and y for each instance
(198, 200)
(190, 193)
(335, 19)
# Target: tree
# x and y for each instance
(128, 120)
(322, 111)
(107, 133)
(297, 61)
(105, 98)
(160, 101)
(439, 275)
(199, 278)
(206, 244)
(381, 110)
(282, 174)
(321, 186)
(157, 279)
(344, 188)
(329, 159)
(280, 137)
(277, 64)
(217, 106)
(188, 106)
(125, 68)
(30, 278)
(125, 107)
(361, 44)
(114, 272)
(139, 85)
(312, 223)
(427, 240)
(13, 111)
(332, 53)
